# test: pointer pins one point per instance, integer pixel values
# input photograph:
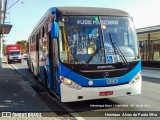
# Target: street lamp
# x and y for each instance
(4, 28)
(13, 5)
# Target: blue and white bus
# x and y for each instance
(84, 53)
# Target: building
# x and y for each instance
(149, 45)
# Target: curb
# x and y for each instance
(150, 68)
(75, 115)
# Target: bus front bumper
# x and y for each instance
(88, 93)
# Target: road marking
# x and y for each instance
(14, 67)
(75, 115)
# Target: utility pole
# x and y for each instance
(4, 28)
(3, 4)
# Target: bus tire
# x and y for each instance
(46, 80)
(9, 62)
(35, 77)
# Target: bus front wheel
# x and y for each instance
(46, 80)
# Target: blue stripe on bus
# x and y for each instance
(83, 81)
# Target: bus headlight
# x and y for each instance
(70, 83)
(135, 79)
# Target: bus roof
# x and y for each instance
(91, 11)
(80, 11)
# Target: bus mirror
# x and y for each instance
(54, 30)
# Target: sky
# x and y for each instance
(26, 13)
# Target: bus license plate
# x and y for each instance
(106, 93)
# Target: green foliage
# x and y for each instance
(4, 48)
(23, 44)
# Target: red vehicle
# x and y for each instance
(14, 53)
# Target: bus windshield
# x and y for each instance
(86, 39)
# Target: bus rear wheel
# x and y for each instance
(32, 69)
(9, 62)
(46, 80)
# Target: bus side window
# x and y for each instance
(44, 43)
(43, 31)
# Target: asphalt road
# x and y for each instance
(142, 105)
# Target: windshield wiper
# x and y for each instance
(93, 54)
(117, 50)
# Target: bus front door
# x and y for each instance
(53, 54)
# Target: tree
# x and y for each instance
(4, 48)
(23, 44)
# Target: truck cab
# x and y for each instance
(15, 56)
(14, 53)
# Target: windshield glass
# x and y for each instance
(122, 33)
(85, 39)
(15, 53)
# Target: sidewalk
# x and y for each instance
(151, 72)
(17, 95)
